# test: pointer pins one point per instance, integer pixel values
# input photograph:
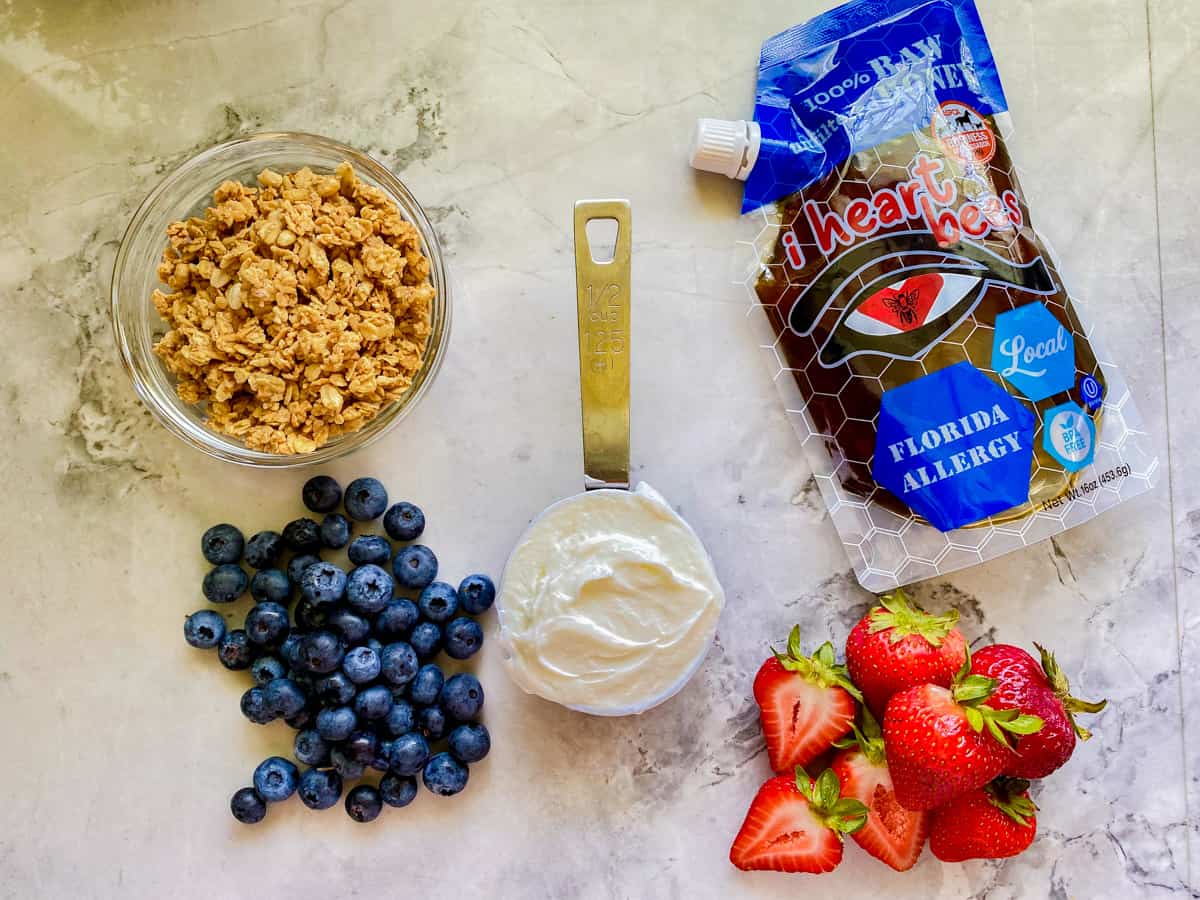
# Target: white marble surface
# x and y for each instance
(121, 746)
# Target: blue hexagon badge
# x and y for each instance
(954, 446)
(1069, 436)
(1034, 352)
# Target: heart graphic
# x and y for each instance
(904, 306)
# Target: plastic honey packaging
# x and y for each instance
(952, 397)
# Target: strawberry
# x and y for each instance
(805, 703)
(992, 822)
(942, 742)
(1043, 690)
(796, 824)
(892, 834)
(896, 646)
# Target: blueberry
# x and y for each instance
(427, 685)
(275, 779)
(363, 803)
(404, 522)
(310, 748)
(235, 650)
(336, 723)
(397, 790)
(476, 594)
(311, 615)
(368, 589)
(444, 775)
(289, 650)
(438, 602)
(204, 629)
(383, 755)
(401, 719)
(303, 719)
(270, 584)
(222, 544)
(297, 565)
(361, 747)
(409, 753)
(254, 707)
(345, 765)
(426, 640)
(366, 498)
(267, 623)
(462, 696)
(464, 637)
(415, 566)
(321, 652)
(369, 548)
(225, 583)
(470, 742)
(247, 807)
(335, 531)
(335, 689)
(397, 618)
(361, 665)
(302, 535)
(432, 721)
(323, 583)
(264, 549)
(373, 703)
(321, 494)
(284, 697)
(266, 669)
(350, 625)
(320, 788)
(398, 664)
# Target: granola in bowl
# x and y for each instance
(298, 308)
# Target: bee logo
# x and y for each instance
(904, 305)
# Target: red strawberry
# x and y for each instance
(805, 702)
(1021, 683)
(796, 824)
(942, 742)
(892, 834)
(993, 822)
(896, 646)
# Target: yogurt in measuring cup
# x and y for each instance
(609, 602)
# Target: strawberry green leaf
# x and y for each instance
(1022, 724)
(974, 717)
(1062, 690)
(804, 784)
(974, 688)
(897, 613)
(793, 645)
(828, 789)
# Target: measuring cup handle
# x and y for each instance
(602, 297)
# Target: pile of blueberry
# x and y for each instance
(350, 666)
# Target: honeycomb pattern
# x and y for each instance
(835, 409)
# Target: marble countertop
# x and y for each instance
(121, 746)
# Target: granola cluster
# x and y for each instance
(298, 309)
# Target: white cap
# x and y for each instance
(725, 147)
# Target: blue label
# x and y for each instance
(1034, 352)
(1069, 436)
(954, 446)
(1091, 391)
(862, 74)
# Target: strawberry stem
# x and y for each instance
(903, 617)
(822, 668)
(1009, 795)
(1062, 690)
(841, 815)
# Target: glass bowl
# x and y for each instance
(188, 191)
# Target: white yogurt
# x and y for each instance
(608, 603)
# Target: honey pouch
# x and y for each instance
(951, 395)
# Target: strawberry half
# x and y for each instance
(1021, 683)
(942, 742)
(896, 646)
(993, 822)
(805, 703)
(796, 824)
(892, 833)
